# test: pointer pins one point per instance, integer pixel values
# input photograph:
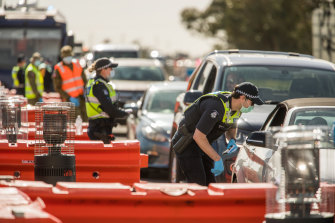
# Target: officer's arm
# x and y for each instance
(101, 93)
(32, 81)
(204, 145)
(231, 133)
(57, 82)
(83, 76)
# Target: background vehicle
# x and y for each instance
(278, 75)
(152, 123)
(111, 50)
(27, 29)
(134, 76)
(254, 162)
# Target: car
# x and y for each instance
(151, 125)
(133, 76)
(255, 160)
(111, 50)
(278, 75)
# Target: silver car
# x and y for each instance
(255, 160)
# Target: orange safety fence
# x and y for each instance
(119, 161)
(151, 202)
(16, 206)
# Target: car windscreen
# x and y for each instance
(279, 83)
(116, 54)
(162, 101)
(140, 73)
(313, 116)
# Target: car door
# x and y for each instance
(204, 80)
(258, 163)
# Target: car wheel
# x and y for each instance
(175, 173)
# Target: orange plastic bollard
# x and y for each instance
(106, 202)
(95, 162)
(16, 206)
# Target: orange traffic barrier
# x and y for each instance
(16, 206)
(107, 202)
(119, 161)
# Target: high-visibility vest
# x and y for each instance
(192, 113)
(72, 82)
(225, 119)
(93, 109)
(38, 80)
(16, 82)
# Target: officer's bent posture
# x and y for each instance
(204, 121)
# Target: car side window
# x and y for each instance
(279, 117)
(201, 82)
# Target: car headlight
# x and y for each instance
(152, 134)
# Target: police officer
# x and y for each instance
(69, 81)
(18, 74)
(101, 102)
(34, 85)
(204, 121)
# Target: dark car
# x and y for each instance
(255, 160)
(278, 75)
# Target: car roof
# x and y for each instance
(137, 62)
(117, 47)
(302, 102)
(168, 85)
(268, 58)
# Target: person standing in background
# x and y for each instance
(18, 74)
(46, 71)
(69, 81)
(34, 85)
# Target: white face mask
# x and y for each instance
(67, 60)
(37, 63)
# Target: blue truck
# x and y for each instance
(27, 28)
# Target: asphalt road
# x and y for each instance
(147, 174)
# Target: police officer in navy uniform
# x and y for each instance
(204, 121)
(101, 104)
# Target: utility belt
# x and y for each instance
(181, 139)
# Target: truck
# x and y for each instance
(27, 28)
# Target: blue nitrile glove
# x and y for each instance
(232, 146)
(75, 101)
(40, 100)
(218, 168)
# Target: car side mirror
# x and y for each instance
(257, 138)
(191, 96)
(134, 108)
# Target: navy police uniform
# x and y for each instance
(212, 115)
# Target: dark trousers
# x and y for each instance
(196, 165)
(100, 129)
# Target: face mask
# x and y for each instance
(246, 110)
(67, 60)
(112, 74)
(37, 63)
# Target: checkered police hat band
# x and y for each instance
(103, 67)
(246, 94)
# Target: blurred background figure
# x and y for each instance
(232, 79)
(46, 71)
(34, 85)
(69, 81)
(18, 74)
